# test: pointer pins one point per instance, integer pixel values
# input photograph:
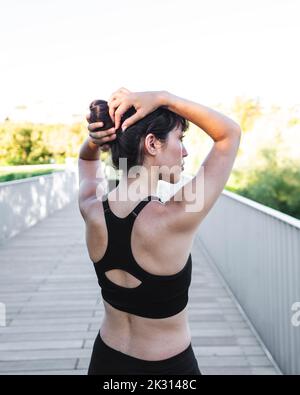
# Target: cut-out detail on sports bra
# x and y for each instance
(157, 296)
(136, 282)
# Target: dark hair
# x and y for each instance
(128, 144)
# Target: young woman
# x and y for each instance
(140, 246)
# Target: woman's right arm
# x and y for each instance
(191, 203)
(218, 126)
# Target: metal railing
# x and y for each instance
(25, 202)
(257, 251)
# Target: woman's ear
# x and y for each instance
(151, 143)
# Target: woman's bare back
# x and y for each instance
(157, 251)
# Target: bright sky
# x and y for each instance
(59, 55)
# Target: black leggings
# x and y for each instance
(107, 360)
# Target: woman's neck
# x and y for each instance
(138, 187)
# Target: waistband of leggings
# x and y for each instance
(178, 357)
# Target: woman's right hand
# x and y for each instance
(143, 102)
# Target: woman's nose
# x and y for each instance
(184, 152)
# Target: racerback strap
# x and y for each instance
(137, 208)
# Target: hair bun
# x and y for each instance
(99, 112)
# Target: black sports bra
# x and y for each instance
(157, 296)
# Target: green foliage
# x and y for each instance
(246, 112)
(29, 143)
(19, 175)
(275, 183)
(293, 122)
(27, 148)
